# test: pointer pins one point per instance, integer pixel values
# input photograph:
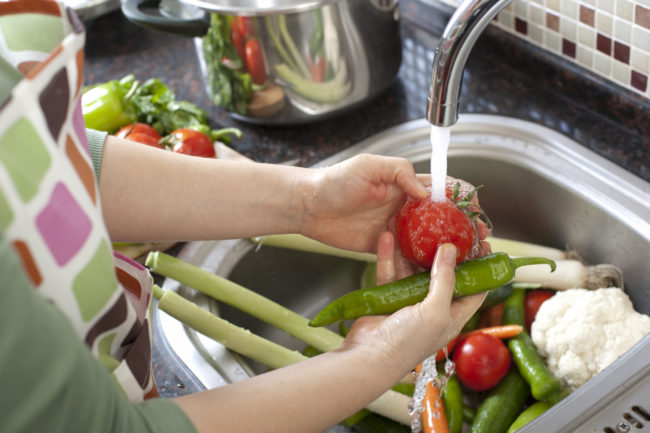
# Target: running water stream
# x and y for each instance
(440, 137)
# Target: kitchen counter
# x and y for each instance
(504, 76)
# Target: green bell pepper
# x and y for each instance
(105, 107)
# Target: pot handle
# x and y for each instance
(133, 10)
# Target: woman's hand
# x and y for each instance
(409, 335)
(350, 203)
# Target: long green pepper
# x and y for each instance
(473, 276)
(543, 384)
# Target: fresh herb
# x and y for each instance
(229, 88)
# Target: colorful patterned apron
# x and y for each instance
(49, 205)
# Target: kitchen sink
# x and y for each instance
(538, 186)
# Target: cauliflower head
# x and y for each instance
(580, 332)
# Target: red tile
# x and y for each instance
(568, 48)
(622, 52)
(642, 16)
(521, 26)
(553, 22)
(587, 15)
(604, 44)
(639, 81)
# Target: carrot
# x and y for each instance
(434, 419)
(502, 331)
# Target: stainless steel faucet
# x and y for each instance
(465, 26)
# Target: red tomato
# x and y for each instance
(534, 299)
(423, 225)
(144, 139)
(191, 142)
(238, 42)
(138, 128)
(245, 27)
(481, 361)
(255, 61)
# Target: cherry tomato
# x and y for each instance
(481, 361)
(255, 61)
(138, 128)
(191, 142)
(144, 139)
(423, 225)
(245, 27)
(533, 300)
(237, 41)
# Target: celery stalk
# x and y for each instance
(243, 299)
(391, 404)
(233, 337)
(303, 243)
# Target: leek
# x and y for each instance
(326, 92)
(243, 299)
(391, 404)
(571, 274)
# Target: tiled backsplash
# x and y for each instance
(608, 37)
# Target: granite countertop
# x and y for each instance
(600, 116)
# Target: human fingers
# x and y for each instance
(443, 277)
(386, 258)
(401, 171)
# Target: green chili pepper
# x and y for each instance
(473, 276)
(104, 107)
(452, 401)
(544, 385)
(513, 308)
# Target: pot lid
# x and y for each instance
(257, 7)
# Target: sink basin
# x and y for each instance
(539, 186)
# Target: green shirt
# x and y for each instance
(50, 380)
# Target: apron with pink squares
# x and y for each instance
(49, 205)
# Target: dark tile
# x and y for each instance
(604, 44)
(639, 81)
(521, 26)
(568, 48)
(622, 52)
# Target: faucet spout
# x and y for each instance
(465, 26)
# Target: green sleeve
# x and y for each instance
(50, 380)
(96, 146)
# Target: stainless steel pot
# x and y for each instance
(299, 60)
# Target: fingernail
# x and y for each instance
(422, 190)
(448, 253)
